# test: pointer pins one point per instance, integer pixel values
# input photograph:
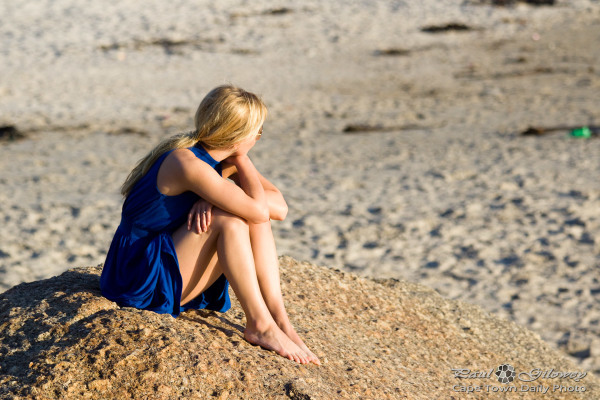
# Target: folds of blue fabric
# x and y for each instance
(151, 279)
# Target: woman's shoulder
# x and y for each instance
(183, 154)
(189, 156)
(184, 160)
(180, 168)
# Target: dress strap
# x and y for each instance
(205, 156)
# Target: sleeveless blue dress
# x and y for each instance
(141, 268)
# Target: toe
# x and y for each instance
(306, 360)
(300, 358)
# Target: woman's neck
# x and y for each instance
(219, 154)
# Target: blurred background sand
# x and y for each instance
(394, 133)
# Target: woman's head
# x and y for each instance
(228, 115)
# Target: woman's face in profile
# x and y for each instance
(246, 145)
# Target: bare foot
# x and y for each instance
(291, 333)
(274, 339)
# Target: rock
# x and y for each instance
(578, 345)
(10, 133)
(378, 339)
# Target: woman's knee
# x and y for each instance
(225, 220)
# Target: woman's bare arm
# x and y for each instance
(182, 171)
(277, 205)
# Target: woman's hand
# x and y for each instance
(200, 216)
(242, 148)
(235, 160)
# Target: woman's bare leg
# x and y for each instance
(226, 248)
(267, 271)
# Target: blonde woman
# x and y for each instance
(196, 218)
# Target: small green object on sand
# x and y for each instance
(583, 132)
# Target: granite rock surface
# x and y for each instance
(377, 339)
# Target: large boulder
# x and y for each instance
(377, 339)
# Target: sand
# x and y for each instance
(437, 186)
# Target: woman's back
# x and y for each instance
(147, 209)
(141, 268)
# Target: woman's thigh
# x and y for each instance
(197, 258)
(197, 253)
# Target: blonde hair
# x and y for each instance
(226, 116)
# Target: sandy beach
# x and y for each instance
(394, 134)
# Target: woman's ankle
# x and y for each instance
(260, 325)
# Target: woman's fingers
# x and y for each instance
(203, 220)
(191, 215)
(208, 215)
(200, 216)
(198, 222)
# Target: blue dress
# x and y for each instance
(141, 268)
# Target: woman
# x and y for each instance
(187, 232)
